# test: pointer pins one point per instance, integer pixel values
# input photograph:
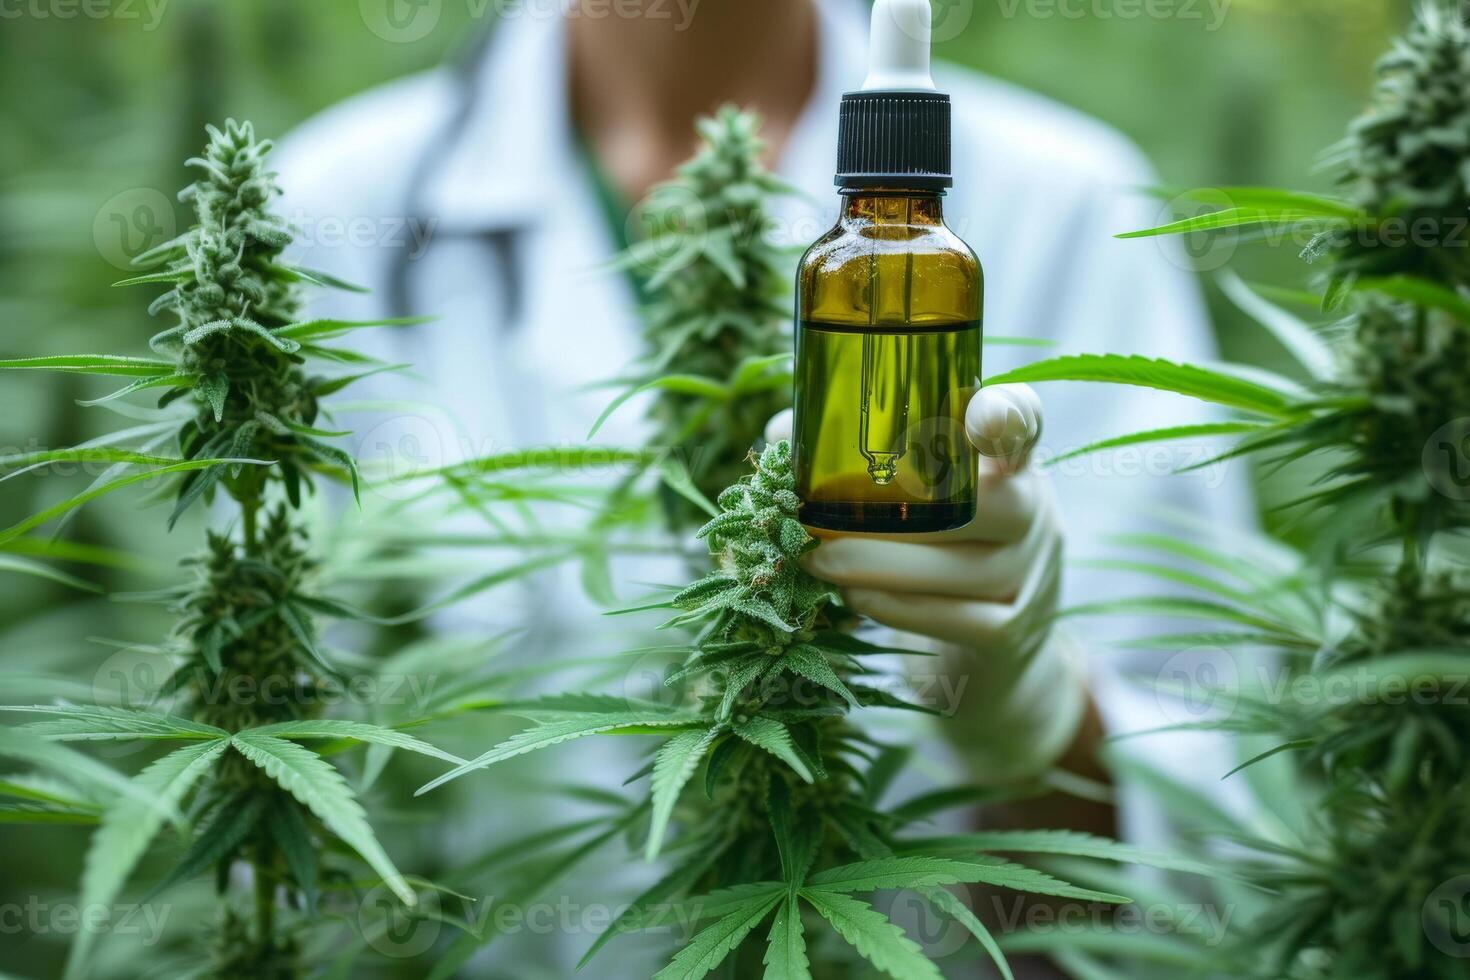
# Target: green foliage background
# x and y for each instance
(96, 108)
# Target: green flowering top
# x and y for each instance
(1409, 375)
(237, 346)
(1408, 156)
(759, 591)
(718, 308)
(722, 287)
(231, 255)
(250, 617)
(1409, 148)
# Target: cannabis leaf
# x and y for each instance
(711, 945)
(323, 791)
(673, 767)
(878, 940)
(1183, 379)
(128, 826)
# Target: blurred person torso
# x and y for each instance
(465, 194)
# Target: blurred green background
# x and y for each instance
(97, 110)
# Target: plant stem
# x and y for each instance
(248, 511)
(265, 906)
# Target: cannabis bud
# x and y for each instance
(236, 303)
(759, 592)
(1405, 157)
(719, 304)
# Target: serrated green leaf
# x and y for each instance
(42, 814)
(128, 826)
(111, 365)
(1312, 352)
(291, 835)
(76, 768)
(1264, 197)
(100, 454)
(1239, 217)
(555, 733)
(1163, 435)
(326, 329)
(1004, 874)
(318, 278)
(167, 381)
(775, 738)
(215, 388)
(300, 626)
(711, 945)
(785, 957)
(652, 900)
(170, 276)
(809, 662)
(323, 791)
(673, 767)
(25, 566)
(680, 384)
(1420, 292)
(231, 822)
(1069, 842)
(887, 872)
(330, 386)
(70, 504)
(1183, 379)
(356, 731)
(69, 723)
(878, 940)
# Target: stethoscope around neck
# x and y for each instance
(502, 245)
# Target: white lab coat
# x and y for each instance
(524, 325)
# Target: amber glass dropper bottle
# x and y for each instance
(889, 310)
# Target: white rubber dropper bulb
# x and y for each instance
(898, 47)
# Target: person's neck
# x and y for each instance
(638, 83)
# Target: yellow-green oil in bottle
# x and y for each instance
(887, 358)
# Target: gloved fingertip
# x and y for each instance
(780, 426)
(1004, 422)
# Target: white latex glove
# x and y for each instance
(985, 594)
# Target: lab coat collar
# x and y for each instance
(501, 169)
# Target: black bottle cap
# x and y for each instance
(894, 139)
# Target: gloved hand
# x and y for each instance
(984, 595)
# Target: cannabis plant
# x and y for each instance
(763, 791)
(243, 382)
(718, 306)
(1368, 888)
